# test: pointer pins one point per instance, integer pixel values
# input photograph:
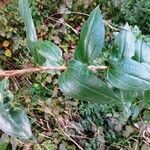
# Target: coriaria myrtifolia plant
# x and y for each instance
(126, 75)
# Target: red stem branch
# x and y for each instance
(10, 73)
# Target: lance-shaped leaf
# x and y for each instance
(30, 30)
(39, 59)
(81, 83)
(142, 53)
(128, 74)
(12, 121)
(28, 21)
(51, 53)
(125, 43)
(44, 52)
(15, 123)
(91, 38)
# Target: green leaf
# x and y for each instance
(142, 50)
(127, 74)
(146, 115)
(5, 94)
(92, 38)
(30, 30)
(44, 52)
(127, 96)
(15, 123)
(33, 47)
(79, 82)
(3, 146)
(28, 21)
(147, 99)
(49, 53)
(127, 99)
(125, 43)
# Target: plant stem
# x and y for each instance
(11, 73)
